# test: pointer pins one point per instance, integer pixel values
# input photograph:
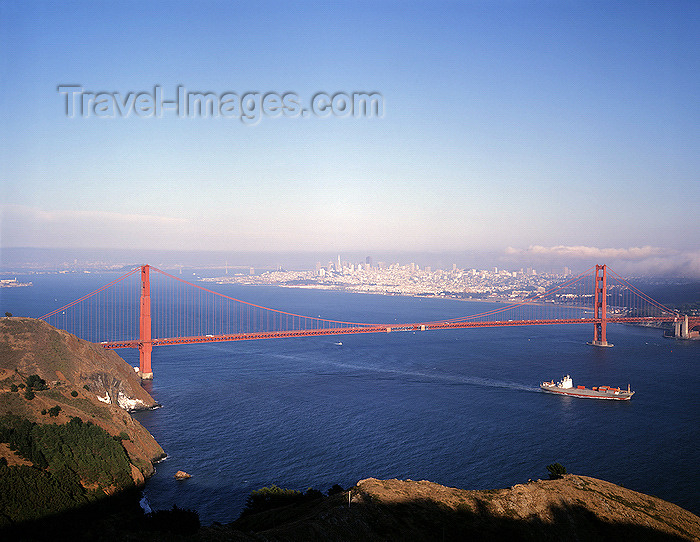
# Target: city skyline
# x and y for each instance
(521, 132)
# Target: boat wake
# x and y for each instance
(438, 377)
(427, 376)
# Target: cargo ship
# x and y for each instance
(566, 387)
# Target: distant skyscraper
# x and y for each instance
(368, 260)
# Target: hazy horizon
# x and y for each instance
(32, 258)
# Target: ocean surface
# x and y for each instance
(458, 407)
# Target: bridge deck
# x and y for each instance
(389, 328)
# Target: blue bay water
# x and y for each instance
(457, 407)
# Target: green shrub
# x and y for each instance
(267, 498)
(53, 411)
(29, 394)
(14, 387)
(335, 490)
(312, 494)
(121, 436)
(74, 393)
(34, 382)
(556, 470)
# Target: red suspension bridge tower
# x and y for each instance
(600, 309)
(145, 344)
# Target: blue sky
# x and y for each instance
(562, 129)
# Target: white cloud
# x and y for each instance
(584, 252)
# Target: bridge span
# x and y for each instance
(132, 312)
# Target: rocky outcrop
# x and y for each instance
(182, 475)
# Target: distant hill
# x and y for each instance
(64, 423)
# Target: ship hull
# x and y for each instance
(588, 394)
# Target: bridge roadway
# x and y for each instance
(388, 328)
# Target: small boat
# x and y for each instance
(566, 387)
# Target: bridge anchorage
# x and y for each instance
(148, 307)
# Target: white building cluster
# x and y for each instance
(410, 279)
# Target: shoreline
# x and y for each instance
(448, 297)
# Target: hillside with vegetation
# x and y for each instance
(66, 438)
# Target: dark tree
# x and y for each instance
(267, 498)
(312, 494)
(35, 382)
(556, 471)
(335, 489)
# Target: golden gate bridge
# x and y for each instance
(148, 307)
